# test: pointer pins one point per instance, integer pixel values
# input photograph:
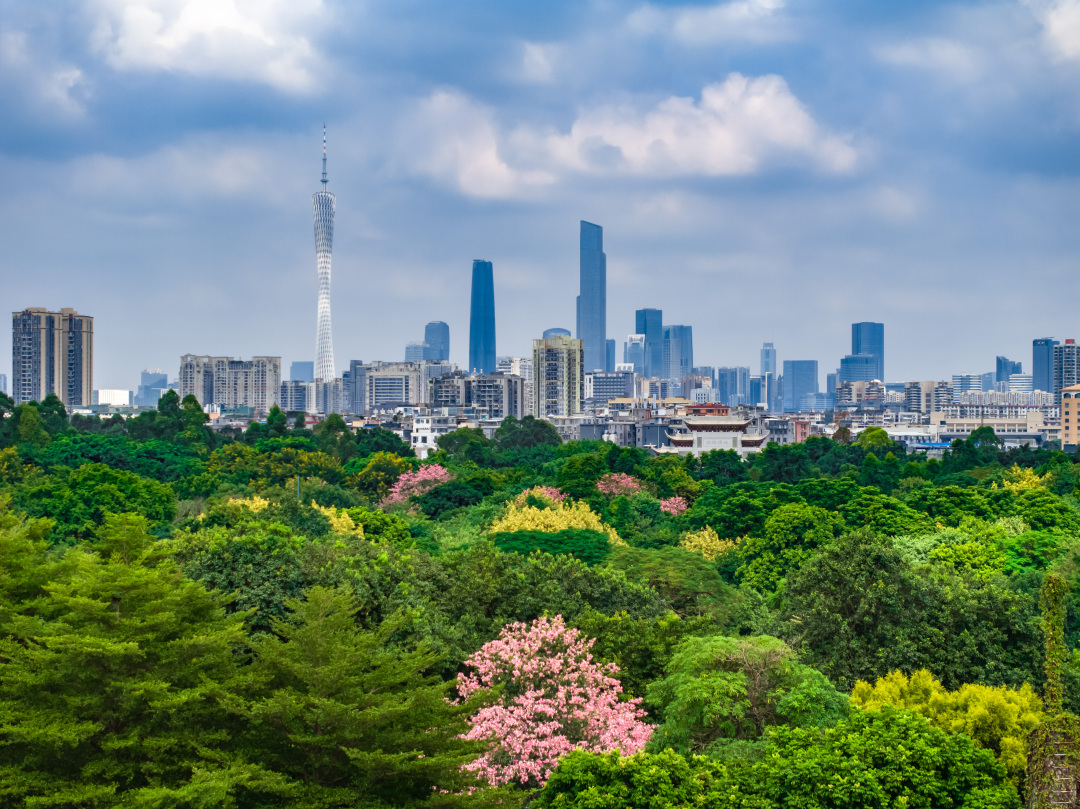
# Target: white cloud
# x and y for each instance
(740, 126)
(264, 41)
(951, 58)
(537, 63)
(756, 20)
(1061, 25)
(56, 88)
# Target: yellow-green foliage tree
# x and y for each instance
(560, 517)
(995, 717)
(706, 542)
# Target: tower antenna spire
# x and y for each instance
(324, 181)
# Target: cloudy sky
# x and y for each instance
(763, 170)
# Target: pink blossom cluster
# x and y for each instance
(615, 483)
(674, 505)
(544, 492)
(411, 484)
(555, 699)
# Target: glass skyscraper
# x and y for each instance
(859, 368)
(592, 301)
(650, 322)
(437, 337)
(1042, 363)
(678, 352)
(768, 359)
(482, 319)
(869, 338)
(800, 379)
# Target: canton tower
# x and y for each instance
(322, 203)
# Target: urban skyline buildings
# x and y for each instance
(650, 323)
(323, 205)
(1042, 363)
(437, 338)
(52, 352)
(869, 338)
(592, 299)
(482, 319)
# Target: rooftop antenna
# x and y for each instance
(324, 181)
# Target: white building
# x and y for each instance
(228, 383)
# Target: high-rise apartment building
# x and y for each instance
(966, 383)
(229, 383)
(800, 379)
(650, 323)
(437, 337)
(678, 352)
(603, 386)
(322, 206)
(52, 352)
(297, 396)
(1066, 366)
(869, 338)
(592, 300)
(558, 377)
(496, 396)
(482, 319)
(1042, 363)
(522, 366)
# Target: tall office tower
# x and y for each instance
(966, 383)
(414, 352)
(482, 319)
(678, 352)
(830, 387)
(610, 358)
(1042, 363)
(859, 368)
(558, 378)
(302, 371)
(634, 352)
(1004, 368)
(52, 352)
(869, 338)
(1066, 366)
(800, 379)
(437, 337)
(3, 383)
(152, 385)
(322, 204)
(768, 360)
(556, 333)
(356, 387)
(650, 324)
(592, 302)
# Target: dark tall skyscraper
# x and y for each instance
(610, 358)
(592, 302)
(800, 378)
(650, 322)
(869, 338)
(482, 319)
(1004, 368)
(437, 337)
(1042, 363)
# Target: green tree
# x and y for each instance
(528, 432)
(591, 547)
(792, 532)
(378, 474)
(110, 693)
(30, 427)
(277, 423)
(370, 440)
(874, 438)
(719, 689)
(350, 718)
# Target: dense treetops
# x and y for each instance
(292, 617)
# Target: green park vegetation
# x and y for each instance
(278, 617)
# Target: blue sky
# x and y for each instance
(763, 170)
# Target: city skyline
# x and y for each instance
(925, 163)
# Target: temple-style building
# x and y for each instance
(707, 427)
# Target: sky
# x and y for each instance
(763, 170)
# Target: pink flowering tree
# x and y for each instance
(555, 699)
(410, 484)
(615, 483)
(549, 493)
(674, 505)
